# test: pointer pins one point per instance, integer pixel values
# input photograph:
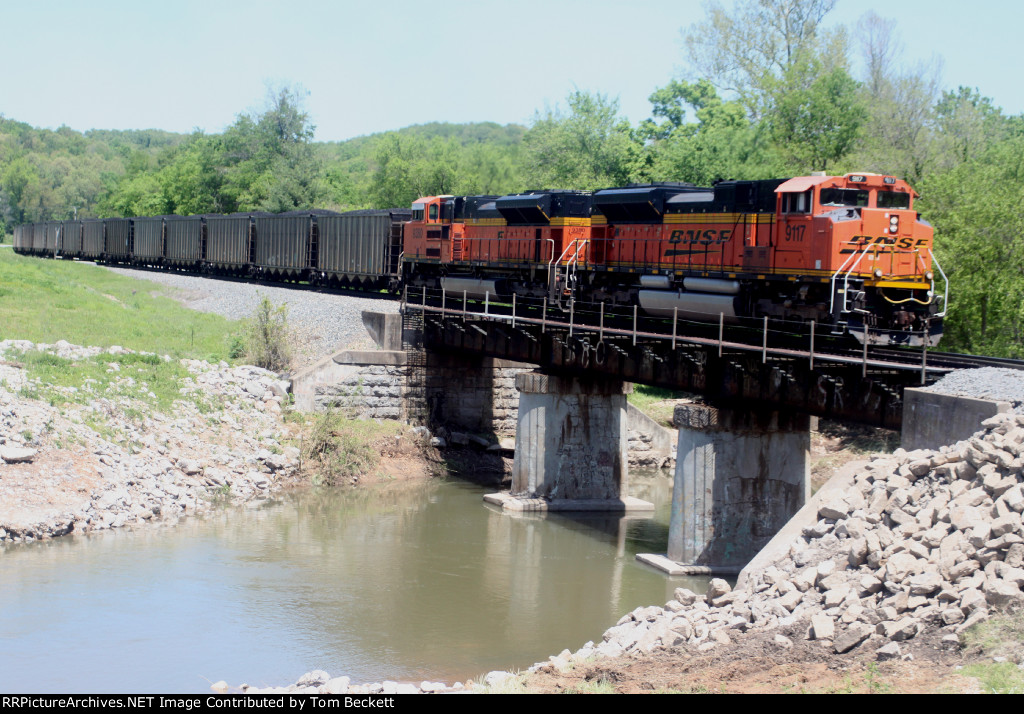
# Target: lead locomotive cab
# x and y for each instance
(861, 237)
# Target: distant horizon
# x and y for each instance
(315, 141)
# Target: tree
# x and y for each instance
(392, 183)
(753, 50)
(815, 125)
(190, 181)
(979, 236)
(968, 123)
(270, 164)
(898, 135)
(720, 144)
(589, 147)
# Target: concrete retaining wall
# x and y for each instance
(650, 444)
(932, 420)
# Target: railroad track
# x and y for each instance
(946, 360)
(933, 361)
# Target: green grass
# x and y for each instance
(45, 300)
(997, 677)
(1002, 635)
(144, 378)
(339, 448)
(655, 402)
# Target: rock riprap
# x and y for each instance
(80, 458)
(922, 541)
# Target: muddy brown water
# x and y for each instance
(404, 582)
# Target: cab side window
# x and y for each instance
(796, 202)
(433, 211)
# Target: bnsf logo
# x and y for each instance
(859, 243)
(708, 237)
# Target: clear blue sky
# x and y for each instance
(374, 66)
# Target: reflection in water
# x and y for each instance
(407, 582)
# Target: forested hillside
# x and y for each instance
(792, 98)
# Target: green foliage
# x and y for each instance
(267, 159)
(339, 449)
(266, 337)
(721, 144)
(815, 125)
(50, 174)
(754, 49)
(979, 235)
(589, 147)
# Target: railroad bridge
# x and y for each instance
(742, 467)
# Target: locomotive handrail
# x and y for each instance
(846, 278)
(945, 295)
(571, 261)
(831, 304)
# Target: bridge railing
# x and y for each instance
(610, 326)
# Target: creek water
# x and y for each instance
(405, 582)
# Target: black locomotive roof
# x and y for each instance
(539, 207)
(641, 202)
(705, 196)
(478, 207)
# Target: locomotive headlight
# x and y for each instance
(929, 276)
(894, 221)
(878, 272)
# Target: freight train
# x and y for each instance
(849, 252)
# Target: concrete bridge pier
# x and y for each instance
(571, 442)
(740, 476)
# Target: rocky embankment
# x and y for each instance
(100, 455)
(922, 542)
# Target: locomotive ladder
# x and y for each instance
(457, 247)
(568, 278)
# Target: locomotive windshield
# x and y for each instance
(893, 199)
(844, 197)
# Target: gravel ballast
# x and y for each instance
(995, 383)
(321, 322)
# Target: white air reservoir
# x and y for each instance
(473, 287)
(690, 305)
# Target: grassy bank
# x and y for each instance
(49, 300)
(657, 403)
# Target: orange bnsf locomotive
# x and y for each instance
(850, 251)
